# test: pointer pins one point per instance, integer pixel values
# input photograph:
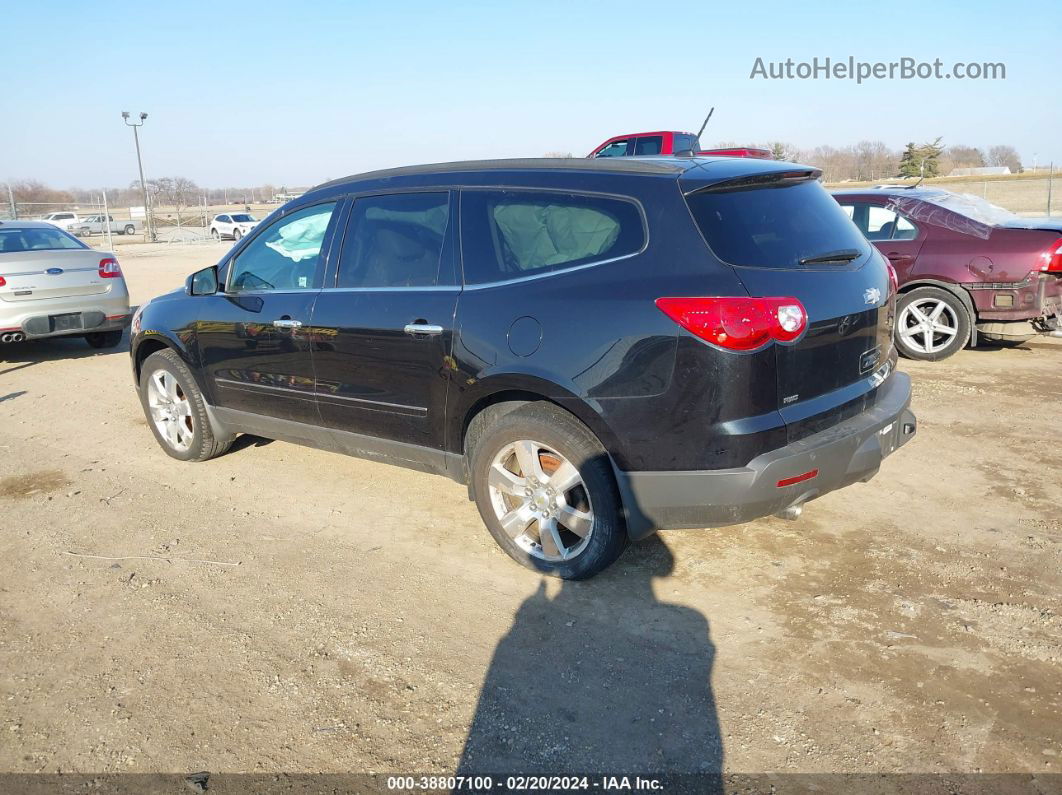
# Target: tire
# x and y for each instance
(215, 234)
(129, 230)
(197, 442)
(949, 330)
(591, 504)
(104, 339)
(237, 234)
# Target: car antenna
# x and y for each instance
(921, 179)
(710, 112)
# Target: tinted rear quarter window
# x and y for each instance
(774, 227)
(512, 234)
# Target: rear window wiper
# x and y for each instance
(844, 255)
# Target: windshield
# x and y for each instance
(36, 239)
(777, 227)
(244, 218)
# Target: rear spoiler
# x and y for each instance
(770, 179)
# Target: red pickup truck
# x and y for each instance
(668, 142)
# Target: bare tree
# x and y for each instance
(36, 197)
(1003, 155)
(873, 160)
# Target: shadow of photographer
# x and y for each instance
(600, 678)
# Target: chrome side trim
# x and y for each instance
(250, 386)
(382, 405)
(547, 274)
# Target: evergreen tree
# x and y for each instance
(910, 162)
(921, 161)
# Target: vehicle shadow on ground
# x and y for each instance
(53, 349)
(245, 440)
(601, 678)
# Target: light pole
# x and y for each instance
(140, 165)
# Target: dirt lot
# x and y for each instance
(909, 624)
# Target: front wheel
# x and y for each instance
(545, 489)
(237, 234)
(931, 324)
(175, 409)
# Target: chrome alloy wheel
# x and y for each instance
(170, 410)
(540, 500)
(928, 325)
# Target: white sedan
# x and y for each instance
(232, 225)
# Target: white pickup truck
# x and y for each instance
(97, 225)
(64, 219)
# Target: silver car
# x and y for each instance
(53, 285)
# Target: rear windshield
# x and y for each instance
(36, 238)
(775, 227)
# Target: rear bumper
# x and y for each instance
(848, 452)
(67, 316)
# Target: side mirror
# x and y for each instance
(204, 282)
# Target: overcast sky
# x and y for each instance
(295, 93)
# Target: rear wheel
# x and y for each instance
(104, 339)
(545, 489)
(130, 229)
(176, 410)
(931, 324)
(215, 234)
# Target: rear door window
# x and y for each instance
(774, 227)
(512, 234)
(397, 240)
(648, 145)
(880, 223)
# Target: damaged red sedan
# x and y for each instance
(968, 271)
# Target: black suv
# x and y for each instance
(597, 348)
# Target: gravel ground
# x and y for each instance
(287, 609)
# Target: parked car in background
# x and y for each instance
(97, 225)
(53, 285)
(63, 220)
(615, 346)
(232, 225)
(967, 270)
(669, 142)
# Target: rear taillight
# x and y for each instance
(109, 268)
(3, 281)
(1051, 258)
(737, 323)
(894, 280)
